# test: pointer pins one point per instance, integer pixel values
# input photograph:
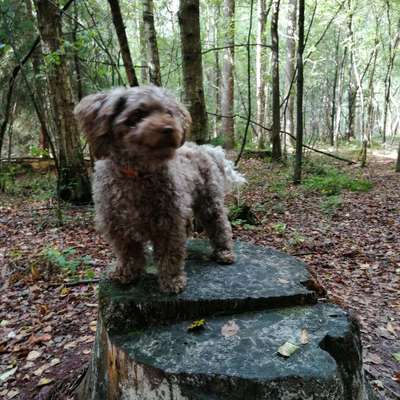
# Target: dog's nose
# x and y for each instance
(167, 130)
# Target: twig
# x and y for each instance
(82, 282)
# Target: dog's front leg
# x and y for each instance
(131, 261)
(170, 255)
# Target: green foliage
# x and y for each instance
(66, 260)
(279, 228)
(36, 151)
(8, 175)
(242, 214)
(331, 204)
(331, 181)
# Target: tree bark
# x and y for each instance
(123, 42)
(189, 22)
(290, 63)
(153, 59)
(261, 67)
(299, 116)
(228, 82)
(398, 160)
(334, 91)
(144, 74)
(73, 181)
(276, 122)
(352, 91)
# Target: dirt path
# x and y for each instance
(47, 328)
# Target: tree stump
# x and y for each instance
(144, 350)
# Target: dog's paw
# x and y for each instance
(175, 284)
(224, 256)
(124, 276)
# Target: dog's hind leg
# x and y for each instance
(214, 219)
(131, 261)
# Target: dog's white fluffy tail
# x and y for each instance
(233, 179)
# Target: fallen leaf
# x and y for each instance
(390, 328)
(12, 393)
(39, 339)
(373, 358)
(196, 326)
(33, 355)
(396, 376)
(41, 369)
(86, 351)
(6, 374)
(304, 337)
(287, 349)
(396, 356)
(54, 362)
(230, 329)
(70, 345)
(44, 381)
(64, 292)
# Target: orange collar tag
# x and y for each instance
(130, 172)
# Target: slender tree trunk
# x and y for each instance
(39, 88)
(144, 73)
(228, 82)
(290, 63)
(276, 121)
(74, 183)
(123, 42)
(217, 84)
(150, 35)
(261, 66)
(189, 22)
(393, 43)
(77, 63)
(4, 124)
(334, 90)
(352, 91)
(398, 160)
(299, 117)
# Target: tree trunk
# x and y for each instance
(73, 181)
(334, 89)
(398, 160)
(77, 63)
(276, 122)
(150, 35)
(352, 91)
(189, 22)
(290, 63)
(261, 66)
(217, 75)
(144, 74)
(228, 82)
(39, 89)
(123, 42)
(299, 117)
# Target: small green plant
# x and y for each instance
(296, 239)
(242, 214)
(331, 204)
(217, 141)
(36, 151)
(279, 228)
(66, 259)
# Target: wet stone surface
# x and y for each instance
(260, 278)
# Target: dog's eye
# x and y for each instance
(170, 113)
(136, 117)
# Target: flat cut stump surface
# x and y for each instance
(144, 351)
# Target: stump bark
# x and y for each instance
(144, 350)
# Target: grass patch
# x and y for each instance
(331, 181)
(330, 204)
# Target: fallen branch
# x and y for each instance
(292, 136)
(82, 282)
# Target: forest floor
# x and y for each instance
(344, 228)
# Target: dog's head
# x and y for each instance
(140, 123)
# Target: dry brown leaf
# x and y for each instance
(230, 329)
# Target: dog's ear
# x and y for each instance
(87, 114)
(186, 121)
(95, 114)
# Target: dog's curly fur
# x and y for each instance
(148, 183)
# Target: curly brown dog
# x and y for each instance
(148, 183)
